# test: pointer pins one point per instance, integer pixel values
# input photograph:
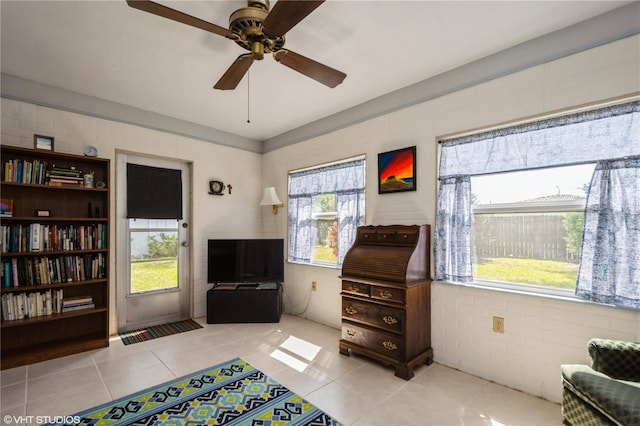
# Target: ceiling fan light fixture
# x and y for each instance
(257, 50)
(247, 20)
(246, 26)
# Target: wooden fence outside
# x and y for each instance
(528, 236)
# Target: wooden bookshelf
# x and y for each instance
(74, 260)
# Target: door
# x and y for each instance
(153, 255)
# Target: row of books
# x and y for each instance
(44, 270)
(17, 306)
(36, 237)
(77, 303)
(60, 176)
(25, 171)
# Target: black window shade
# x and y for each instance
(153, 192)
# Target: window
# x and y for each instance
(492, 222)
(326, 205)
(527, 225)
(154, 254)
(325, 241)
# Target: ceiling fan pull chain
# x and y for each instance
(248, 120)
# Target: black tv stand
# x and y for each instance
(244, 303)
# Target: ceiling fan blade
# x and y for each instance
(285, 14)
(235, 72)
(175, 15)
(315, 70)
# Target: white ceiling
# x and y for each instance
(107, 50)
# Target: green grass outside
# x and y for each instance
(528, 271)
(154, 275)
(157, 275)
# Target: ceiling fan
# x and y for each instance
(258, 30)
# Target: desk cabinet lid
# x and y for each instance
(397, 253)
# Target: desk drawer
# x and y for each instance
(355, 288)
(409, 236)
(367, 235)
(387, 293)
(371, 313)
(377, 341)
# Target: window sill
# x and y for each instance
(318, 264)
(531, 291)
(152, 292)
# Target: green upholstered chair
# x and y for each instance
(608, 392)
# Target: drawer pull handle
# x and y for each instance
(350, 310)
(352, 333)
(389, 346)
(385, 294)
(389, 319)
(354, 289)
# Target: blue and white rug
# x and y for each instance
(231, 393)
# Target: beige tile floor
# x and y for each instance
(354, 390)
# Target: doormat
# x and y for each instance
(156, 331)
(231, 393)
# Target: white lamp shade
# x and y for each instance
(270, 198)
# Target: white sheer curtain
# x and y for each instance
(347, 181)
(599, 135)
(350, 206)
(300, 228)
(610, 257)
(453, 230)
(584, 137)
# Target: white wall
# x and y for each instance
(541, 333)
(230, 216)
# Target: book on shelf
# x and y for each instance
(65, 182)
(76, 300)
(34, 244)
(78, 307)
(6, 207)
(65, 171)
(6, 274)
(14, 271)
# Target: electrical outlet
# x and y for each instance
(314, 286)
(498, 325)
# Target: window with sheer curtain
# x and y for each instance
(595, 151)
(326, 205)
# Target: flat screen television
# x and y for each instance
(245, 261)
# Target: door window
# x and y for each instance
(154, 254)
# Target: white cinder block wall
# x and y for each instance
(230, 216)
(541, 333)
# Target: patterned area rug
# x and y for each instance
(232, 393)
(148, 333)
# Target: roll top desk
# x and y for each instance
(386, 297)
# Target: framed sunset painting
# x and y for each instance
(397, 170)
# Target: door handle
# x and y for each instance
(184, 244)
